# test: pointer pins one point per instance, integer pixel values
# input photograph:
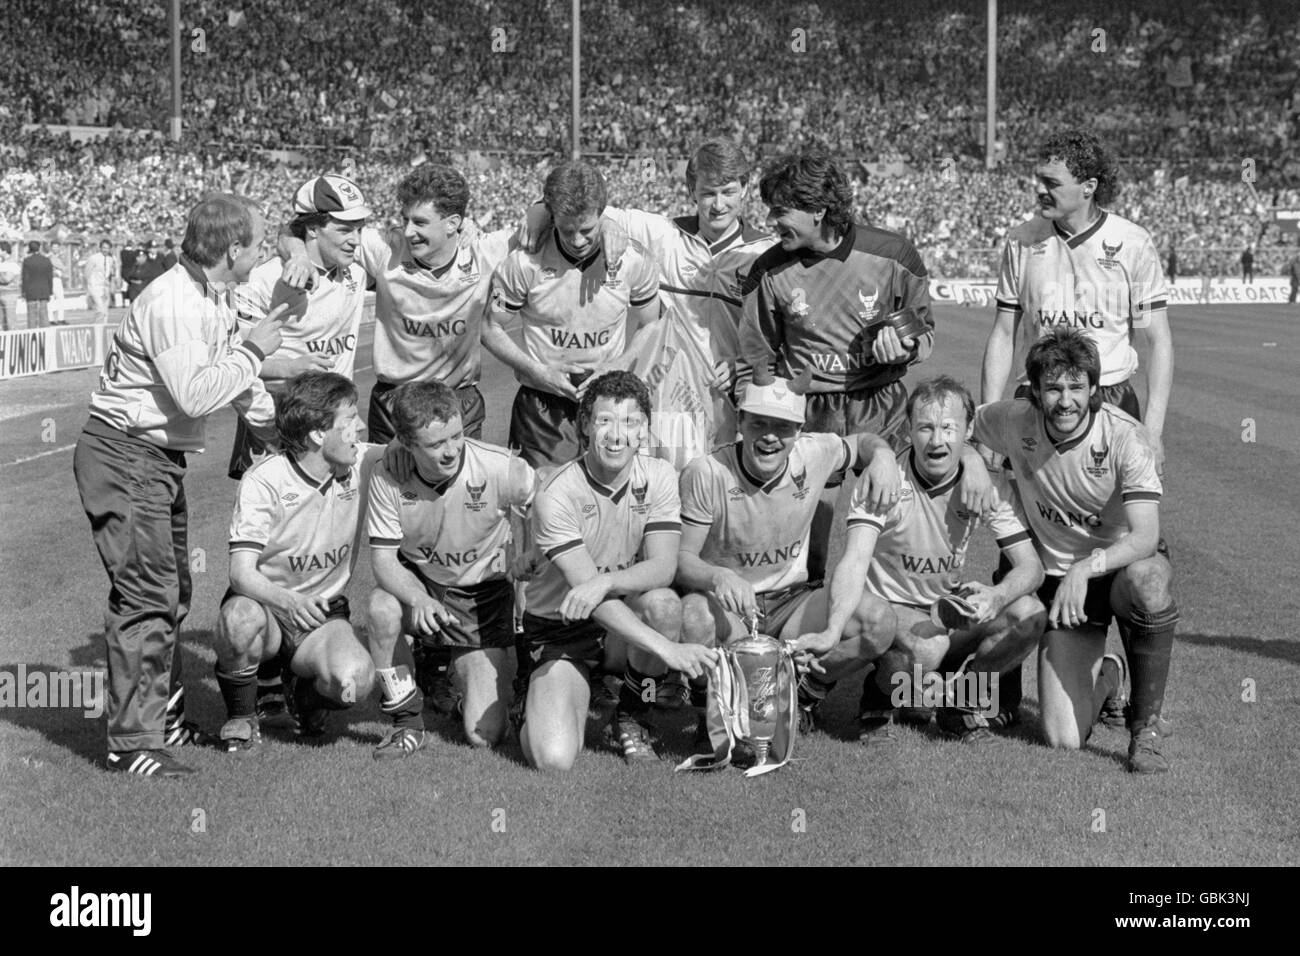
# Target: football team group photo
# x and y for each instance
(864, 428)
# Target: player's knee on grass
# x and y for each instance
(384, 612)
(242, 631)
(1067, 686)
(483, 678)
(698, 624)
(550, 754)
(486, 728)
(1148, 583)
(555, 716)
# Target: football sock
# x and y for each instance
(239, 691)
(632, 693)
(1010, 689)
(523, 663)
(875, 702)
(174, 720)
(270, 674)
(400, 697)
(1151, 641)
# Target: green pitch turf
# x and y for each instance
(1230, 517)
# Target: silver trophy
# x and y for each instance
(759, 659)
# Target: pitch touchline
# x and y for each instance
(23, 461)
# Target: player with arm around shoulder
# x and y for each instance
(322, 323)
(1086, 473)
(607, 526)
(901, 560)
(293, 546)
(438, 547)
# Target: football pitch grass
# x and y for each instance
(1230, 516)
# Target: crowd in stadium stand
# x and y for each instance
(1184, 93)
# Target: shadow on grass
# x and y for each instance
(85, 736)
(1281, 650)
(76, 727)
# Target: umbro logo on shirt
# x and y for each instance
(409, 496)
(588, 510)
(735, 493)
(1028, 442)
(291, 496)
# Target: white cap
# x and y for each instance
(334, 195)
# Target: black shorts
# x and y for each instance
(1096, 605)
(775, 608)
(484, 613)
(291, 635)
(882, 411)
(544, 427)
(581, 642)
(246, 446)
(1121, 395)
(379, 419)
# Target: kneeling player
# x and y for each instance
(437, 545)
(747, 511)
(911, 556)
(292, 551)
(607, 525)
(1087, 476)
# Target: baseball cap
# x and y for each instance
(334, 195)
(773, 399)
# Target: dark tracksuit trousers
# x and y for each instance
(133, 494)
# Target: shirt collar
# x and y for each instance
(923, 483)
(1079, 238)
(440, 488)
(320, 486)
(216, 291)
(840, 252)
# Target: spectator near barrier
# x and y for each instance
(37, 286)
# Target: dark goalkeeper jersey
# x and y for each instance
(807, 310)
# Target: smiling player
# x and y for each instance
(438, 547)
(293, 546)
(431, 284)
(911, 555)
(321, 328)
(607, 525)
(704, 258)
(747, 512)
(1077, 265)
(807, 300)
(1087, 476)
